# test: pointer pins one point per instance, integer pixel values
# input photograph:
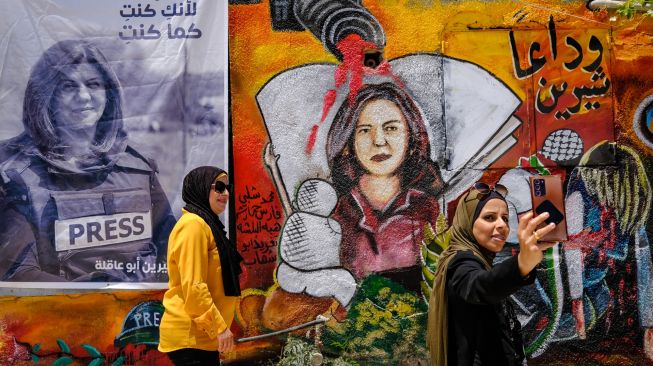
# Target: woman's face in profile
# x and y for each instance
(218, 200)
(491, 227)
(381, 138)
(80, 97)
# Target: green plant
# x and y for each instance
(435, 241)
(385, 325)
(630, 7)
(298, 352)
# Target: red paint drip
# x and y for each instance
(353, 49)
(311, 140)
(329, 100)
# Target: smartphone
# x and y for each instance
(546, 196)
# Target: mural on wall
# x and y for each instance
(570, 109)
(371, 133)
(609, 259)
(382, 133)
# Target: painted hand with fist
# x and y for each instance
(309, 246)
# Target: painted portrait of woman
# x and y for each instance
(359, 186)
(379, 155)
(94, 204)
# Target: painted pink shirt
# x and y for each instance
(378, 241)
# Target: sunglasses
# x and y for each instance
(221, 187)
(484, 189)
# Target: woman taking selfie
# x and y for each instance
(470, 322)
(203, 267)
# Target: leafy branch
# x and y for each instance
(65, 356)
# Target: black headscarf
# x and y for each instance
(196, 190)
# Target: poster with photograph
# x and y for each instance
(105, 107)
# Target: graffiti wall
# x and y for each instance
(356, 127)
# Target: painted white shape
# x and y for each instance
(291, 103)
(644, 279)
(575, 211)
(310, 242)
(519, 197)
(317, 197)
(477, 105)
(336, 282)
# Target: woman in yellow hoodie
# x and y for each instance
(203, 268)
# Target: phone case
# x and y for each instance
(546, 196)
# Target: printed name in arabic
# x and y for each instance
(133, 267)
(270, 198)
(149, 267)
(555, 93)
(587, 92)
(249, 196)
(108, 265)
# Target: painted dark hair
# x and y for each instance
(625, 188)
(417, 170)
(46, 77)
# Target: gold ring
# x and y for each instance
(537, 237)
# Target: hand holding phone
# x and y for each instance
(530, 248)
(546, 196)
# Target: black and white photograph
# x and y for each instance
(105, 107)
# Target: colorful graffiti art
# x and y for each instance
(93, 329)
(362, 124)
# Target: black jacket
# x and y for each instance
(483, 329)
